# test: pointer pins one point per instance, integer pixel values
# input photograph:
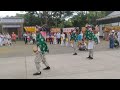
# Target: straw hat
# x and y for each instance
(35, 49)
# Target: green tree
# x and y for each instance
(31, 19)
(51, 18)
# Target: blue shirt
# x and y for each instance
(79, 37)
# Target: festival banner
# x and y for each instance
(68, 29)
(30, 29)
(55, 30)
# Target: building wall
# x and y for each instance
(12, 21)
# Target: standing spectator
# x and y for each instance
(68, 36)
(55, 38)
(5, 39)
(63, 37)
(97, 35)
(1, 39)
(111, 39)
(66, 42)
(9, 39)
(25, 37)
(80, 37)
(47, 37)
(118, 34)
(62, 42)
(34, 37)
(14, 37)
(28, 37)
(50, 38)
(58, 38)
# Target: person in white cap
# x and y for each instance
(111, 39)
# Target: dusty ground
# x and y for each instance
(20, 49)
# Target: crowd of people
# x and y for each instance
(29, 38)
(77, 39)
(64, 39)
(6, 39)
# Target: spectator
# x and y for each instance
(111, 39)
(25, 37)
(58, 38)
(34, 38)
(50, 38)
(63, 38)
(118, 34)
(55, 38)
(14, 37)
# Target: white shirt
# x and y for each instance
(8, 36)
(81, 34)
(58, 35)
(24, 34)
(90, 44)
(1, 36)
(118, 34)
(97, 35)
(55, 35)
(34, 36)
(63, 35)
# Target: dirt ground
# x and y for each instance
(20, 49)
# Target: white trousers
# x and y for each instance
(74, 46)
(91, 52)
(38, 59)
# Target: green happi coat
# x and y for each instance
(41, 43)
(74, 37)
(91, 36)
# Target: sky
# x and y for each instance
(9, 13)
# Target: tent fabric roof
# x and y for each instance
(114, 14)
(111, 18)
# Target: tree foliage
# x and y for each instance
(57, 18)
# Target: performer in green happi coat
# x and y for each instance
(40, 51)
